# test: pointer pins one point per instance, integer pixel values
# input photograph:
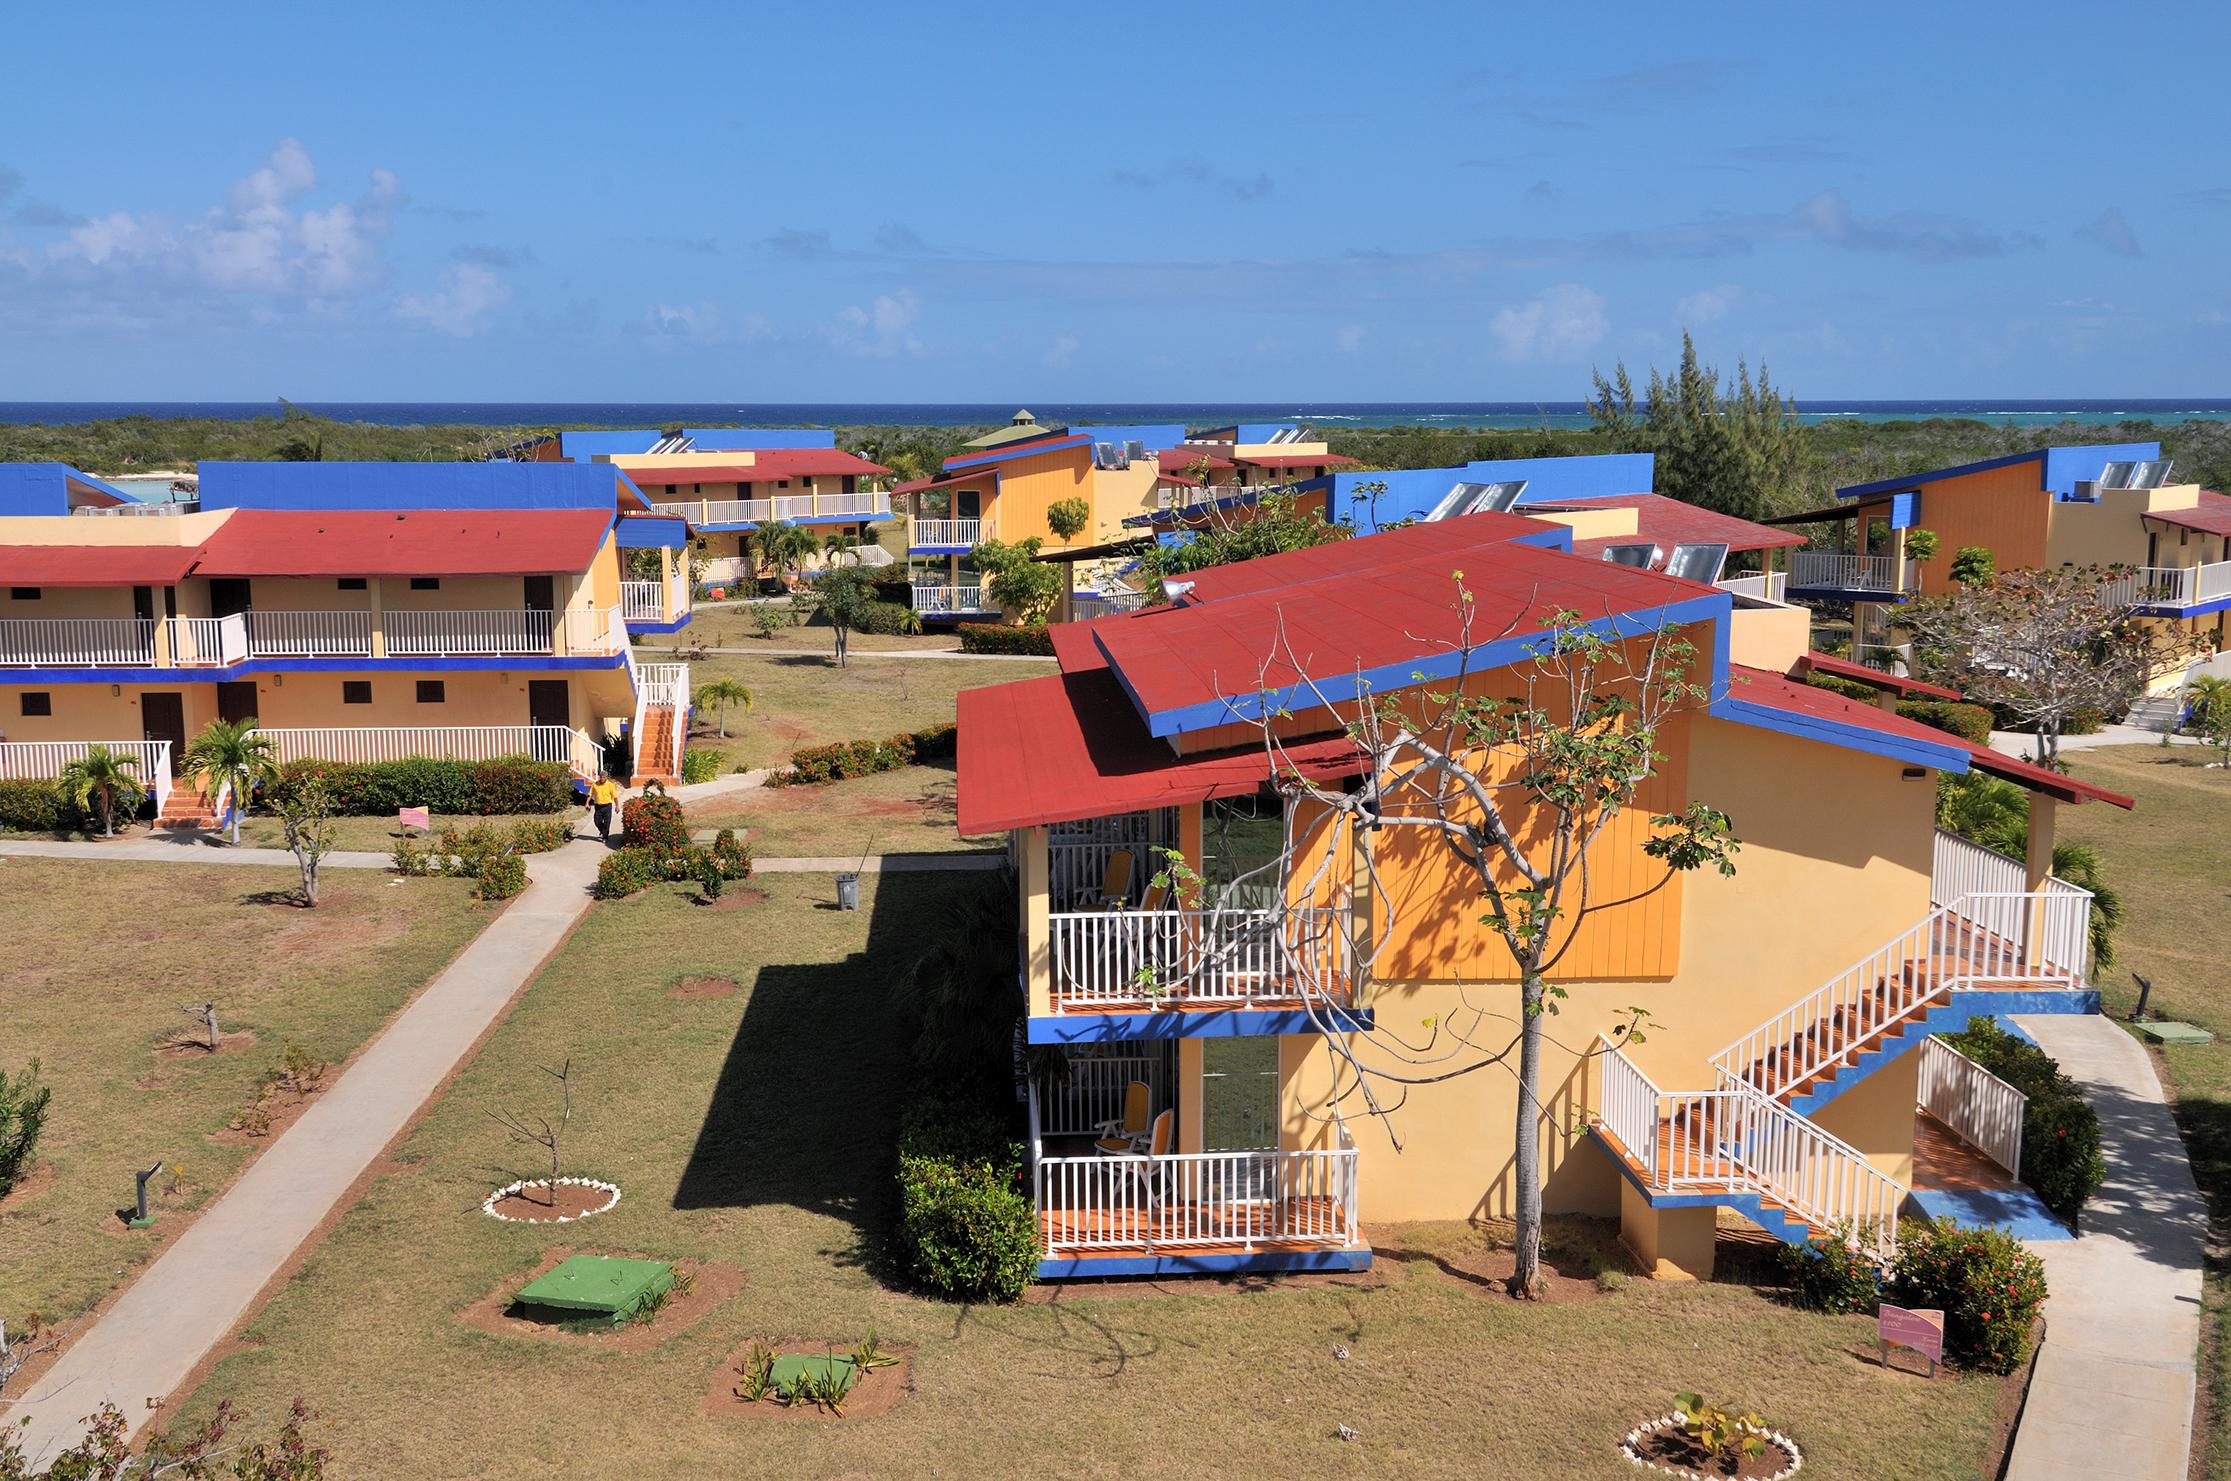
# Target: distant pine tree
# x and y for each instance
(1739, 450)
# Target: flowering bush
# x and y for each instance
(1829, 1275)
(624, 872)
(501, 876)
(730, 855)
(540, 835)
(855, 758)
(1988, 1287)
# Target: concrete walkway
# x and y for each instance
(185, 1303)
(2113, 1391)
(2021, 743)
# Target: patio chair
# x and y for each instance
(1115, 880)
(1145, 1164)
(1128, 1132)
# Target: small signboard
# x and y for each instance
(1920, 1331)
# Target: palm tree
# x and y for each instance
(2209, 706)
(779, 544)
(101, 780)
(720, 694)
(232, 754)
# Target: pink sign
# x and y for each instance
(1922, 1331)
(414, 817)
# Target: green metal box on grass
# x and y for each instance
(2175, 1033)
(604, 1285)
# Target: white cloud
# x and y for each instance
(1708, 307)
(1348, 338)
(1061, 351)
(881, 330)
(2111, 233)
(1559, 323)
(467, 299)
(704, 323)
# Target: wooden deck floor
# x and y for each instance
(1309, 1223)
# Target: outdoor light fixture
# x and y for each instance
(1914, 773)
(1172, 589)
(115, 691)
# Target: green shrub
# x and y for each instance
(653, 821)
(2061, 1157)
(1969, 722)
(966, 1227)
(997, 637)
(845, 759)
(411, 859)
(699, 764)
(624, 872)
(540, 835)
(1988, 1287)
(1829, 1275)
(513, 784)
(731, 854)
(1866, 694)
(33, 806)
(501, 876)
(888, 618)
(23, 1107)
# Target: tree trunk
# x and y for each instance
(309, 879)
(1526, 1276)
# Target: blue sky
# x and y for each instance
(879, 202)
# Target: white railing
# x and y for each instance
(1960, 866)
(666, 684)
(1629, 1108)
(677, 595)
(488, 632)
(1149, 958)
(44, 760)
(1836, 571)
(1182, 496)
(1089, 604)
(367, 743)
(595, 630)
(1766, 586)
(832, 506)
(77, 642)
(966, 532)
(1078, 853)
(643, 601)
(309, 634)
(1093, 1090)
(1980, 1108)
(1983, 937)
(1199, 1198)
(2170, 586)
(968, 597)
(204, 642)
(730, 511)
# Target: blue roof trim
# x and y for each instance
(2197, 609)
(1026, 450)
(2059, 468)
(1712, 607)
(1912, 752)
(652, 533)
(499, 485)
(1209, 1023)
(1849, 594)
(1076, 1267)
(647, 626)
(212, 673)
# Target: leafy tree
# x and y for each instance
(845, 594)
(2043, 645)
(722, 695)
(23, 1107)
(779, 545)
(101, 781)
(306, 813)
(1276, 523)
(1017, 579)
(232, 754)
(1067, 518)
(1973, 565)
(1739, 450)
(1921, 545)
(2210, 716)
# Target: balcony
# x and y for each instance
(43, 761)
(1831, 572)
(221, 642)
(369, 743)
(2171, 590)
(1176, 960)
(77, 642)
(655, 601)
(947, 534)
(796, 507)
(1195, 1203)
(1764, 586)
(942, 599)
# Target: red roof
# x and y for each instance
(419, 542)
(1175, 460)
(95, 565)
(1359, 554)
(1797, 698)
(764, 467)
(1843, 668)
(1297, 460)
(2211, 516)
(1070, 746)
(1670, 522)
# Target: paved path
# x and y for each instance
(203, 1284)
(2113, 1391)
(2021, 743)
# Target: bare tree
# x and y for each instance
(35, 1340)
(538, 1130)
(1519, 778)
(204, 1016)
(306, 812)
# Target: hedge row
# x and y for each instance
(2060, 1131)
(997, 637)
(1848, 688)
(1987, 1285)
(833, 763)
(32, 806)
(508, 784)
(1969, 722)
(966, 1226)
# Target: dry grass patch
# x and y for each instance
(911, 810)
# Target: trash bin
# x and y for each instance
(848, 891)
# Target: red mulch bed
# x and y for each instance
(533, 1205)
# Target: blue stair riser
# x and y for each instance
(1749, 1205)
(1950, 1018)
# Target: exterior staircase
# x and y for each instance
(655, 752)
(187, 810)
(1751, 1145)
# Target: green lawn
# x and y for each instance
(910, 810)
(806, 700)
(2171, 861)
(755, 1130)
(104, 955)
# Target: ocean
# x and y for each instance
(1499, 415)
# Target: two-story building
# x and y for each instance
(358, 612)
(1300, 948)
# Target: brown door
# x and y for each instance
(236, 701)
(549, 702)
(227, 595)
(163, 717)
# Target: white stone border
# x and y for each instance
(1655, 1426)
(488, 1204)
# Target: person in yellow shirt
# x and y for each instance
(603, 792)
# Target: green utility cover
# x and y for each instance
(790, 1365)
(598, 1283)
(2175, 1033)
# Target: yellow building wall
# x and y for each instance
(165, 530)
(1027, 486)
(89, 712)
(1768, 636)
(58, 602)
(2002, 509)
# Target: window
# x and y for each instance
(351, 583)
(23, 593)
(430, 692)
(38, 702)
(782, 483)
(426, 583)
(356, 691)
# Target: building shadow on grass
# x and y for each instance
(806, 1107)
